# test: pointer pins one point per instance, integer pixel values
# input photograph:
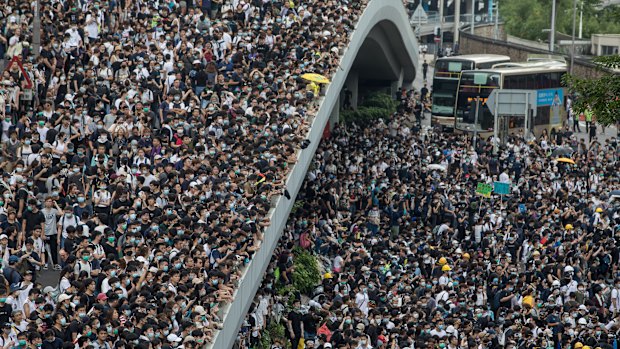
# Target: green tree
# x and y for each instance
(602, 95)
(527, 18)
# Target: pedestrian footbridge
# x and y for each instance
(382, 49)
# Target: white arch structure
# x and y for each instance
(382, 47)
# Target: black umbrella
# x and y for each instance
(560, 152)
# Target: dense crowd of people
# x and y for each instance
(144, 158)
(413, 257)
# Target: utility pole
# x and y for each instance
(457, 21)
(552, 35)
(572, 48)
(473, 17)
(581, 20)
(496, 31)
(441, 4)
(36, 29)
(476, 121)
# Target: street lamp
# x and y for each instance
(572, 48)
(552, 34)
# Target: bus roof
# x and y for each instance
(476, 58)
(537, 67)
(545, 58)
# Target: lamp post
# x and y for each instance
(473, 17)
(572, 48)
(552, 35)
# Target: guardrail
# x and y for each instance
(375, 12)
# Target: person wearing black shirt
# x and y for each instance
(32, 218)
(121, 206)
(295, 324)
(88, 297)
(310, 321)
(5, 311)
(51, 341)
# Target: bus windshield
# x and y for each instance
(451, 69)
(474, 89)
(443, 104)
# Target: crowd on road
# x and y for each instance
(141, 162)
(413, 257)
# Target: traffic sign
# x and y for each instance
(512, 102)
(419, 16)
(16, 60)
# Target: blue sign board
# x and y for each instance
(501, 188)
(551, 96)
(522, 208)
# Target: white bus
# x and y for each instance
(446, 79)
(475, 86)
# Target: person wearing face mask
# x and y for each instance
(362, 299)
(295, 324)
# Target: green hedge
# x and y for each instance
(377, 105)
(307, 274)
(274, 330)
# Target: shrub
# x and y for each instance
(377, 105)
(307, 274)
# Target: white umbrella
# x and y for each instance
(438, 167)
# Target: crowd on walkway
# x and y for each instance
(413, 257)
(143, 160)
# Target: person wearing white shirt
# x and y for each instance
(91, 27)
(361, 299)
(75, 39)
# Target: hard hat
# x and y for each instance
(529, 300)
(578, 345)
(569, 227)
(582, 321)
(466, 255)
(599, 210)
(569, 269)
(536, 253)
(586, 347)
(556, 283)
(327, 275)
(442, 261)
(446, 268)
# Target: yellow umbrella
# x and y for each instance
(318, 78)
(566, 160)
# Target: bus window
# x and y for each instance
(474, 89)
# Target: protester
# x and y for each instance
(413, 257)
(143, 163)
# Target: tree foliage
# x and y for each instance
(602, 94)
(527, 18)
(307, 274)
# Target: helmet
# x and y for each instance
(569, 227)
(568, 269)
(466, 255)
(442, 261)
(556, 283)
(578, 345)
(327, 275)
(586, 347)
(529, 300)
(446, 268)
(598, 210)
